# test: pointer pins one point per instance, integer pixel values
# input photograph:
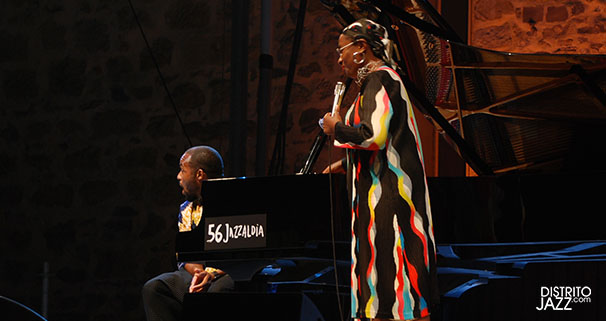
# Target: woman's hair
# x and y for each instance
(375, 35)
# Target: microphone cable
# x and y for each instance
(332, 228)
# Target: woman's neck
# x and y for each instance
(365, 70)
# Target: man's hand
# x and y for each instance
(200, 281)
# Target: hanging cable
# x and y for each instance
(151, 53)
(332, 230)
(277, 160)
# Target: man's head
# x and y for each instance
(197, 164)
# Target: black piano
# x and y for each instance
(266, 218)
(283, 239)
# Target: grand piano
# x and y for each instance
(283, 239)
(530, 125)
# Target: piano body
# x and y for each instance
(280, 238)
(530, 125)
(293, 212)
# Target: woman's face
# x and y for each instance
(350, 69)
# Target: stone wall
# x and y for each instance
(550, 26)
(90, 141)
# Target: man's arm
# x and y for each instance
(192, 268)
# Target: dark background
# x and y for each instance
(90, 141)
(90, 138)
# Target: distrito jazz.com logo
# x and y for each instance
(563, 298)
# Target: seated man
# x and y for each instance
(163, 295)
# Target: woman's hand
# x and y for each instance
(336, 167)
(330, 122)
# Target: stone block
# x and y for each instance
(67, 76)
(9, 133)
(59, 236)
(555, 32)
(593, 29)
(187, 14)
(8, 165)
(141, 92)
(165, 190)
(116, 229)
(20, 84)
(187, 96)
(61, 195)
(155, 224)
(91, 35)
(219, 91)
(124, 17)
(52, 35)
(307, 70)
(118, 67)
(308, 122)
(138, 158)
(162, 50)
(116, 122)
(556, 14)
(532, 14)
(98, 191)
(20, 240)
(70, 274)
(162, 126)
(79, 163)
(13, 47)
(207, 132)
(577, 8)
(493, 37)
(492, 9)
(299, 94)
(119, 95)
(596, 46)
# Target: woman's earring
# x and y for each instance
(359, 61)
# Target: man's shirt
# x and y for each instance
(190, 215)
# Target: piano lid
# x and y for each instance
(299, 216)
(502, 112)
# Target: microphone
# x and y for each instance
(321, 137)
(339, 91)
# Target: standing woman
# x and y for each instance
(393, 272)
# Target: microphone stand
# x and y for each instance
(316, 148)
(320, 140)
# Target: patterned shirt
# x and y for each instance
(190, 215)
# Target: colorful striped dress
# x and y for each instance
(393, 268)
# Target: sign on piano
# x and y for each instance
(235, 232)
